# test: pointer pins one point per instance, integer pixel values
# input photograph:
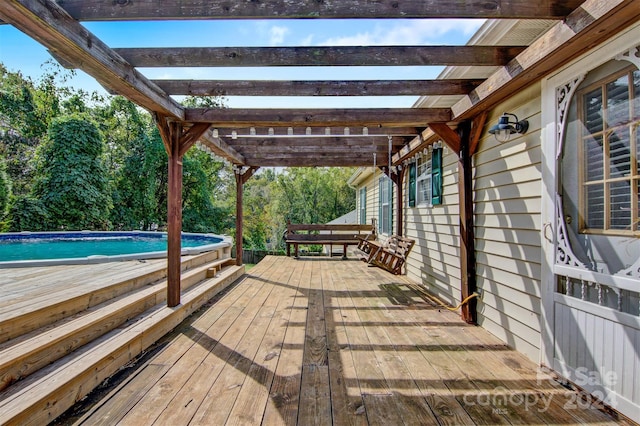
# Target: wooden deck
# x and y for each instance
(325, 341)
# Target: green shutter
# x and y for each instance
(412, 185)
(436, 177)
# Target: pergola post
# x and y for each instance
(239, 212)
(177, 142)
(463, 142)
(174, 219)
(467, 235)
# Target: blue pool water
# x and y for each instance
(72, 245)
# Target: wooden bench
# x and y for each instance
(344, 234)
(390, 255)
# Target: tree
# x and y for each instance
(5, 193)
(71, 177)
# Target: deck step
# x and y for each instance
(28, 353)
(44, 311)
(47, 393)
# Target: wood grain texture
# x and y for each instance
(50, 25)
(248, 117)
(199, 9)
(317, 88)
(392, 357)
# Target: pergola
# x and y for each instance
(253, 138)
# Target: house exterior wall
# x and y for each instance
(507, 190)
(434, 260)
(369, 178)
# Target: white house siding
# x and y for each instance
(435, 260)
(507, 204)
(369, 179)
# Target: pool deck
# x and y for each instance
(24, 290)
(323, 341)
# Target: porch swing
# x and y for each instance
(391, 254)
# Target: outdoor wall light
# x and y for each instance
(505, 128)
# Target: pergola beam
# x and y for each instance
(221, 148)
(317, 88)
(49, 24)
(297, 161)
(589, 25)
(98, 10)
(319, 56)
(300, 142)
(253, 133)
(370, 117)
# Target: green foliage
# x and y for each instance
(257, 196)
(203, 180)
(140, 184)
(28, 214)
(76, 160)
(71, 177)
(5, 193)
(299, 195)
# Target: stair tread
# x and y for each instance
(46, 381)
(25, 318)
(31, 343)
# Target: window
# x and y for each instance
(363, 206)
(385, 210)
(609, 143)
(423, 182)
(428, 183)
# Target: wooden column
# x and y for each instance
(464, 142)
(174, 220)
(239, 234)
(176, 141)
(467, 235)
(242, 176)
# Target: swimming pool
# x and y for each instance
(55, 248)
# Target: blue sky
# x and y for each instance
(20, 53)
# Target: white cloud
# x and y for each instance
(277, 35)
(412, 32)
(307, 41)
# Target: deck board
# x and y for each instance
(324, 341)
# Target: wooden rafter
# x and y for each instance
(390, 117)
(302, 161)
(337, 132)
(199, 9)
(221, 148)
(417, 144)
(317, 142)
(319, 56)
(590, 24)
(477, 124)
(51, 26)
(191, 135)
(448, 135)
(317, 88)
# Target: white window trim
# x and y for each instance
(425, 164)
